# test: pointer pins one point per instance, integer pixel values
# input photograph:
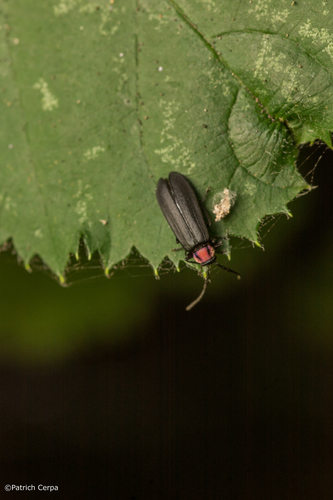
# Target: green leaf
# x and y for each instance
(100, 99)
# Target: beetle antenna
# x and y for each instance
(201, 294)
(229, 270)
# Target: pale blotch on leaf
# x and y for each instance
(84, 197)
(38, 233)
(81, 210)
(263, 10)
(89, 8)
(319, 36)
(49, 102)
(64, 7)
(175, 153)
(92, 153)
(162, 20)
(270, 63)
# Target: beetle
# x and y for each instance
(180, 207)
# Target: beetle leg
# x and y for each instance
(219, 243)
(204, 196)
(220, 252)
(228, 269)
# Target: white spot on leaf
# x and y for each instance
(49, 102)
(9, 204)
(89, 8)
(81, 210)
(319, 36)
(272, 64)
(92, 153)
(175, 152)
(263, 10)
(81, 207)
(38, 233)
(64, 7)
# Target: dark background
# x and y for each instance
(109, 389)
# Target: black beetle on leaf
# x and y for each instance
(180, 207)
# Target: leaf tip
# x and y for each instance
(61, 279)
(28, 268)
(205, 273)
(156, 273)
(309, 188)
